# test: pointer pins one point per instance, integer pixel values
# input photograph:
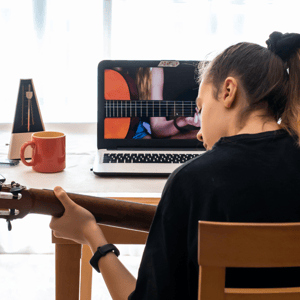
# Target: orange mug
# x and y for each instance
(48, 153)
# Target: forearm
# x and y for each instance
(118, 279)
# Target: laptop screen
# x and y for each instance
(148, 104)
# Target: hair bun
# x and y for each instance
(284, 45)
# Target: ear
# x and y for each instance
(229, 91)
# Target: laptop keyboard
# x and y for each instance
(147, 158)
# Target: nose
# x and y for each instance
(199, 136)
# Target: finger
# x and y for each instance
(63, 197)
(53, 222)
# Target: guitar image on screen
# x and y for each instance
(123, 109)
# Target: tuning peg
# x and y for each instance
(15, 191)
(9, 224)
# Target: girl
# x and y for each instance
(249, 101)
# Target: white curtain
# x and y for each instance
(59, 43)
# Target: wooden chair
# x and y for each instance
(246, 245)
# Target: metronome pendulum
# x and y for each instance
(28, 119)
(29, 108)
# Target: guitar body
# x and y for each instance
(116, 88)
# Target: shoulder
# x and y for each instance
(204, 162)
(191, 172)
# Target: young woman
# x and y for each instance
(249, 101)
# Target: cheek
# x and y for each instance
(204, 120)
(209, 128)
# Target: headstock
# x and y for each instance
(15, 202)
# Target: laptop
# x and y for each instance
(147, 117)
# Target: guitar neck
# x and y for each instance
(113, 212)
(148, 108)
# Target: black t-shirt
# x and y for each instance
(243, 178)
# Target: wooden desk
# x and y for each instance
(74, 277)
(81, 145)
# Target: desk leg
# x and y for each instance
(67, 268)
(86, 274)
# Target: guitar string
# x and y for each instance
(156, 109)
(188, 109)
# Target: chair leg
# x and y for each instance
(86, 274)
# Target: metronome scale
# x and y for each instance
(28, 119)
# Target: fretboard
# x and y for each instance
(149, 108)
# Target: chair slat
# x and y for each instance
(262, 294)
(249, 244)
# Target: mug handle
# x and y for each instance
(24, 146)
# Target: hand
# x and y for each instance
(76, 224)
(184, 121)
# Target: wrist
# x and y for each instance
(180, 123)
(95, 238)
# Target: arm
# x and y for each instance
(79, 225)
(118, 279)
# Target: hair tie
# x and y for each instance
(284, 45)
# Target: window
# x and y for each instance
(59, 43)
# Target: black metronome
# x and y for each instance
(28, 119)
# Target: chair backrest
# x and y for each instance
(245, 245)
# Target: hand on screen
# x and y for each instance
(194, 121)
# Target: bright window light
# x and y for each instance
(59, 43)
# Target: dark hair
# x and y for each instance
(267, 81)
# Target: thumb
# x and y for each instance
(63, 197)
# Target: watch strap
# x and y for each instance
(102, 251)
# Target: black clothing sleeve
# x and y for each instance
(163, 273)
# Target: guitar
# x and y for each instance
(121, 87)
(123, 109)
(16, 201)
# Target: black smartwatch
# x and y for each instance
(102, 251)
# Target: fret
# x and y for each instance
(191, 108)
(126, 109)
(135, 109)
(174, 110)
(117, 109)
(159, 109)
(167, 108)
(182, 108)
(130, 109)
(147, 109)
(121, 110)
(106, 109)
(114, 108)
(141, 104)
(153, 108)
